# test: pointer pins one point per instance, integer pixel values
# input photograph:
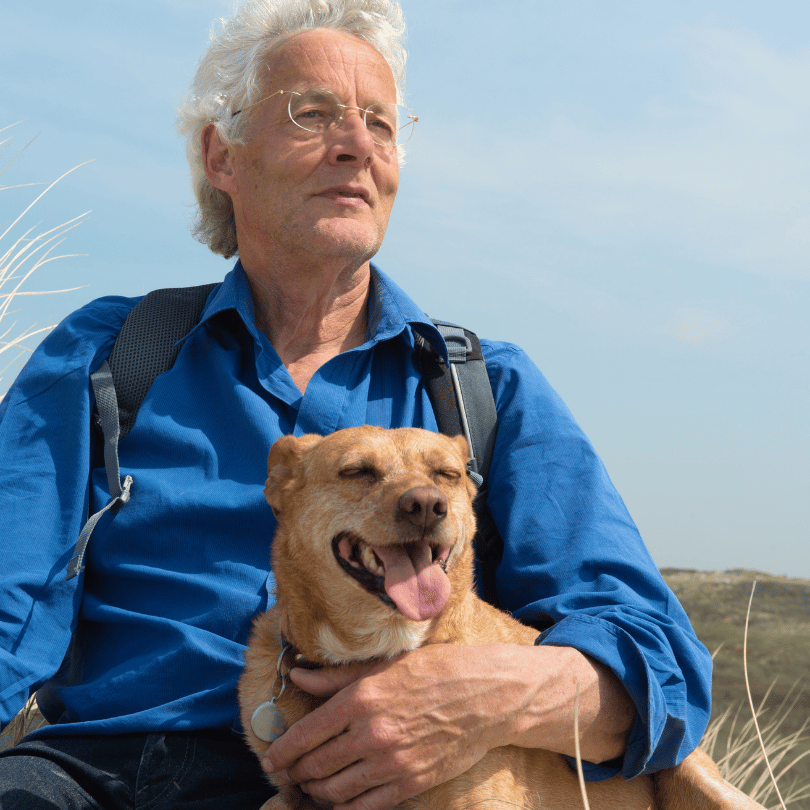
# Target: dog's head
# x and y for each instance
(374, 526)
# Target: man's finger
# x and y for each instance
(387, 796)
(328, 681)
(327, 762)
(307, 734)
(344, 785)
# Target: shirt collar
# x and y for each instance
(232, 294)
(390, 310)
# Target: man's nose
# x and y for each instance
(351, 139)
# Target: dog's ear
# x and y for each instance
(283, 463)
(464, 451)
(463, 448)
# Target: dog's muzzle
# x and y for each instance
(410, 577)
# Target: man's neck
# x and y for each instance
(310, 315)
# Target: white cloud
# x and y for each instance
(696, 326)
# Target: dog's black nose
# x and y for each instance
(423, 506)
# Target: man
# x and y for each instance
(293, 146)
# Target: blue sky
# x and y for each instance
(623, 189)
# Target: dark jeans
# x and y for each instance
(201, 770)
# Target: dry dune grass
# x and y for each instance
(757, 758)
(24, 723)
(23, 250)
(732, 742)
(770, 634)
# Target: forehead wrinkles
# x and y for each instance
(332, 60)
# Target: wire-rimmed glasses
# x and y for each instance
(390, 125)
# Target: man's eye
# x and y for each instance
(381, 124)
(313, 115)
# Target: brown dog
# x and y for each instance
(372, 557)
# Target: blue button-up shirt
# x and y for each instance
(160, 617)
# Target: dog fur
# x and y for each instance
(339, 504)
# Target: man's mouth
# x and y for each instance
(346, 194)
(410, 578)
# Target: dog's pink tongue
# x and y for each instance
(418, 586)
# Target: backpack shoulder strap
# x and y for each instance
(472, 392)
(145, 347)
(463, 403)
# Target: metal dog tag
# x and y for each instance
(267, 722)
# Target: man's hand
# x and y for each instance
(394, 729)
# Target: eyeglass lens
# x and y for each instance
(317, 110)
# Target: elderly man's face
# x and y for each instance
(324, 195)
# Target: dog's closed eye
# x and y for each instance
(447, 474)
(359, 471)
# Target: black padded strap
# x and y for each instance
(439, 385)
(462, 395)
(463, 403)
(146, 345)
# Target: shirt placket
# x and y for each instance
(332, 390)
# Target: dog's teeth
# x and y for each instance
(369, 559)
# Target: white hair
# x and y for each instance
(230, 76)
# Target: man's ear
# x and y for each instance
(283, 464)
(218, 159)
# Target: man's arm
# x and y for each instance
(44, 478)
(575, 566)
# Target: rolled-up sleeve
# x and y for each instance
(45, 451)
(575, 566)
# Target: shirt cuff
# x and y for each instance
(616, 649)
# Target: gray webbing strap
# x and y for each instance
(107, 404)
(473, 391)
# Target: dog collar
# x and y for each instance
(291, 656)
(266, 721)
